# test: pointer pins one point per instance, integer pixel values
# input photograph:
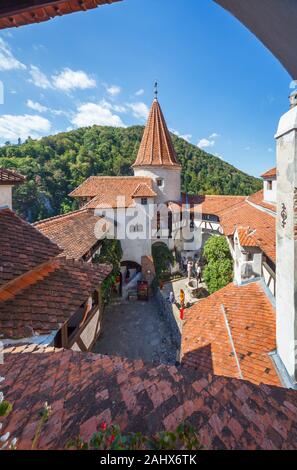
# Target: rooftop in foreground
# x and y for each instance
(86, 389)
(231, 333)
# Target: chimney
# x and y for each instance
(286, 233)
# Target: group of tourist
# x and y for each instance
(189, 266)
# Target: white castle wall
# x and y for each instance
(270, 194)
(171, 189)
(286, 273)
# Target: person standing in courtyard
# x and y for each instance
(198, 273)
(189, 269)
(182, 298)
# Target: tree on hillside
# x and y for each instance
(219, 269)
(55, 165)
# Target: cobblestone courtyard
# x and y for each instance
(134, 330)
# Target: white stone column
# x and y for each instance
(286, 233)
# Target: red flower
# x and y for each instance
(103, 426)
(112, 438)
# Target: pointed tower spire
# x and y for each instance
(156, 148)
(156, 90)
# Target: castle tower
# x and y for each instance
(157, 159)
(286, 272)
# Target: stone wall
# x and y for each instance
(170, 313)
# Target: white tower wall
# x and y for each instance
(286, 272)
(171, 177)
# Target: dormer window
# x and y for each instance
(144, 201)
(160, 182)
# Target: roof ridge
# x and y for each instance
(60, 216)
(29, 278)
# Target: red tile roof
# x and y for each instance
(75, 233)
(23, 247)
(258, 199)
(208, 204)
(51, 299)
(156, 147)
(213, 204)
(143, 190)
(207, 344)
(34, 11)
(269, 174)
(10, 177)
(246, 237)
(110, 191)
(84, 389)
(245, 215)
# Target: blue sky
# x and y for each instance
(218, 86)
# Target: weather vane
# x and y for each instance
(156, 90)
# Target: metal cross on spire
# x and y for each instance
(156, 90)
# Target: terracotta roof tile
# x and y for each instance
(156, 147)
(110, 191)
(84, 389)
(216, 204)
(23, 247)
(75, 233)
(206, 344)
(209, 204)
(10, 177)
(43, 10)
(143, 190)
(51, 299)
(269, 174)
(245, 215)
(258, 199)
(246, 237)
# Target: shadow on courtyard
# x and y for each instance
(136, 330)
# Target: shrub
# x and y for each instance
(111, 253)
(163, 258)
(219, 269)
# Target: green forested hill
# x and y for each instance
(57, 164)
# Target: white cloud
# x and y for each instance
(36, 106)
(186, 137)
(89, 114)
(140, 110)
(113, 90)
(209, 141)
(139, 92)
(214, 136)
(38, 78)
(118, 108)
(7, 59)
(12, 127)
(71, 79)
(205, 143)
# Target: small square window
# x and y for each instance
(144, 201)
(269, 185)
(159, 182)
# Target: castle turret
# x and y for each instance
(157, 158)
